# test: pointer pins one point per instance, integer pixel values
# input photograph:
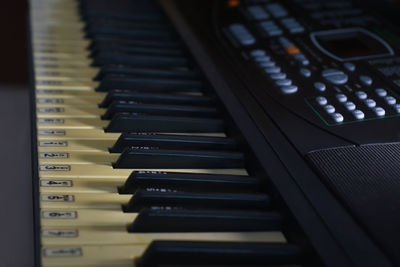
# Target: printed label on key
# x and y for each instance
(51, 132)
(62, 252)
(58, 198)
(50, 101)
(47, 82)
(54, 155)
(59, 215)
(50, 121)
(53, 143)
(51, 110)
(56, 183)
(46, 167)
(49, 92)
(60, 233)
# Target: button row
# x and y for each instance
(277, 10)
(292, 25)
(274, 72)
(292, 50)
(257, 12)
(271, 28)
(242, 34)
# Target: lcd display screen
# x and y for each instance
(350, 45)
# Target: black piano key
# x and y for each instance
(197, 253)
(146, 198)
(136, 50)
(93, 25)
(180, 220)
(110, 82)
(158, 109)
(114, 40)
(156, 98)
(145, 72)
(172, 142)
(138, 60)
(148, 123)
(190, 181)
(145, 34)
(146, 157)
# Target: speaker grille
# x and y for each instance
(367, 180)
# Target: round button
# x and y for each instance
(272, 70)
(320, 86)
(335, 76)
(266, 64)
(278, 76)
(341, 98)
(390, 100)
(370, 103)
(262, 59)
(397, 108)
(291, 89)
(329, 109)
(366, 80)
(258, 53)
(321, 100)
(379, 111)
(358, 114)
(361, 95)
(381, 92)
(350, 106)
(284, 82)
(337, 117)
(349, 66)
(305, 72)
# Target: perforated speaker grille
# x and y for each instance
(367, 180)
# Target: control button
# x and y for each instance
(390, 100)
(361, 95)
(379, 111)
(267, 64)
(258, 53)
(358, 114)
(257, 12)
(291, 89)
(292, 25)
(381, 92)
(302, 59)
(335, 76)
(349, 66)
(366, 80)
(277, 10)
(337, 117)
(292, 50)
(320, 86)
(305, 72)
(272, 70)
(262, 58)
(341, 98)
(270, 28)
(329, 109)
(397, 108)
(278, 76)
(350, 106)
(321, 100)
(242, 34)
(370, 103)
(284, 82)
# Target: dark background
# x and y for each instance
(16, 212)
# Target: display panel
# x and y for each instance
(351, 44)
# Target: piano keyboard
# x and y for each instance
(137, 164)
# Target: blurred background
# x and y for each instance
(16, 223)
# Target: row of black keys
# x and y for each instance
(153, 87)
